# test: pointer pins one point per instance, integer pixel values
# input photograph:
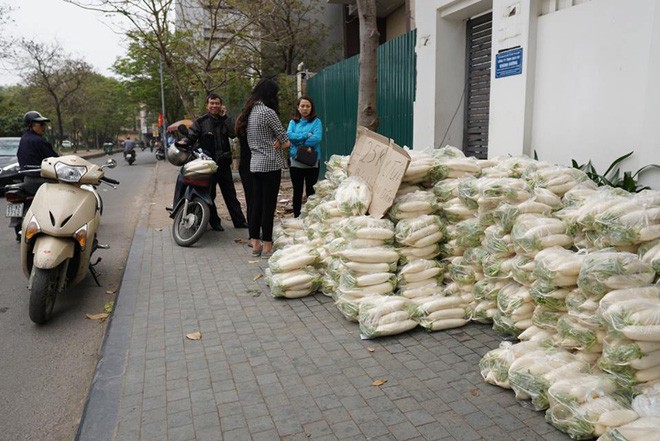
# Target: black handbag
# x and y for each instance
(306, 155)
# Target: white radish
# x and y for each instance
(439, 325)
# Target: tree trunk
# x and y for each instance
(367, 115)
(60, 127)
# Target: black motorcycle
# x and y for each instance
(160, 152)
(130, 156)
(192, 206)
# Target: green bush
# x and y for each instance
(613, 177)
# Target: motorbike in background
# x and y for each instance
(60, 228)
(191, 210)
(129, 156)
(19, 198)
(160, 151)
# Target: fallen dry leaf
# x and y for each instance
(370, 349)
(474, 392)
(99, 316)
(239, 240)
(194, 336)
(111, 292)
(159, 229)
(253, 261)
(109, 307)
(257, 277)
(379, 382)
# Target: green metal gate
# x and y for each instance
(335, 92)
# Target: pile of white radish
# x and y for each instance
(532, 374)
(386, 315)
(424, 169)
(515, 307)
(419, 237)
(370, 268)
(533, 248)
(585, 405)
(606, 271)
(290, 231)
(420, 278)
(650, 253)
(412, 205)
(353, 196)
(495, 364)
(558, 179)
(460, 167)
(646, 423)
(533, 233)
(292, 273)
(632, 348)
(443, 312)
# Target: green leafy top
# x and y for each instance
(612, 175)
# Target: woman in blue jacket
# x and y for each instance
(305, 132)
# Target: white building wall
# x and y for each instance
(597, 93)
(512, 97)
(589, 89)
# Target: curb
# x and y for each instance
(100, 415)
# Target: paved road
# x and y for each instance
(269, 369)
(47, 370)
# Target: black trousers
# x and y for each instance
(265, 188)
(300, 177)
(223, 177)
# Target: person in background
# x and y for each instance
(213, 131)
(265, 138)
(128, 145)
(32, 150)
(33, 147)
(305, 132)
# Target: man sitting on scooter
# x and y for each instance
(33, 147)
(128, 145)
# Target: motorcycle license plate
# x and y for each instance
(14, 210)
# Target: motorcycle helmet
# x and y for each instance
(176, 156)
(32, 117)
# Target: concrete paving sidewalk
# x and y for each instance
(269, 369)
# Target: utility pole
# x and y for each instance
(163, 135)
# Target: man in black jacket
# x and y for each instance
(33, 147)
(212, 131)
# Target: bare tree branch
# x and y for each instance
(49, 69)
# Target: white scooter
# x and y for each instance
(59, 230)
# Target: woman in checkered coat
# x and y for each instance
(265, 136)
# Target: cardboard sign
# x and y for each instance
(382, 164)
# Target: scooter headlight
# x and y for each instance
(81, 236)
(32, 229)
(69, 173)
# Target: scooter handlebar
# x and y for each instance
(110, 181)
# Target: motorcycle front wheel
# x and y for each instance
(188, 228)
(43, 293)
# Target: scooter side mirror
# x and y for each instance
(110, 163)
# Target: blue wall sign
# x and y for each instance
(508, 63)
